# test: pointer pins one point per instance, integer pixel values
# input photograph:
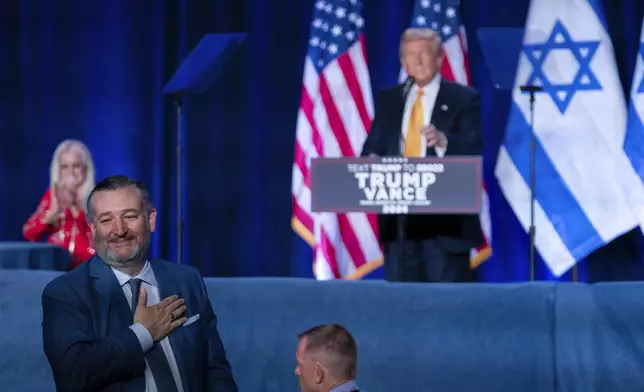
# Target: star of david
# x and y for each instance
(583, 51)
(640, 89)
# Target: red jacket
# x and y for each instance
(69, 232)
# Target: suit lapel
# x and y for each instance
(440, 114)
(110, 301)
(168, 286)
(398, 111)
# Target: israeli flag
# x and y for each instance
(634, 139)
(583, 177)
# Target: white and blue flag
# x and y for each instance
(634, 138)
(587, 192)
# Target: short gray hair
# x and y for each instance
(421, 33)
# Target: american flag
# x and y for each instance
(443, 16)
(336, 110)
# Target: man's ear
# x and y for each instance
(404, 66)
(152, 219)
(319, 373)
(439, 60)
(92, 226)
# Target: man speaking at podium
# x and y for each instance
(426, 116)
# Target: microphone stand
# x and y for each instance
(401, 246)
(179, 108)
(401, 218)
(532, 90)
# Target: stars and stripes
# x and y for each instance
(336, 110)
(443, 16)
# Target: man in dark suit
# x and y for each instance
(120, 322)
(434, 117)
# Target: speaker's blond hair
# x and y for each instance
(424, 34)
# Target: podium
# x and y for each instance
(397, 185)
(197, 72)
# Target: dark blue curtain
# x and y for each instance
(90, 70)
(94, 70)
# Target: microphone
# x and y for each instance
(407, 87)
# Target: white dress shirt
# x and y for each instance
(149, 282)
(430, 92)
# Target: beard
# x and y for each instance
(111, 258)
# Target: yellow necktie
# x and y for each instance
(414, 139)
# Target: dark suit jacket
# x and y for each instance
(461, 123)
(90, 347)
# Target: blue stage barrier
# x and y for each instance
(469, 337)
(33, 255)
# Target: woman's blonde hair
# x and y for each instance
(90, 172)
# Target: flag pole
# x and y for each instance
(575, 274)
(532, 90)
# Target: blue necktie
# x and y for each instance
(155, 357)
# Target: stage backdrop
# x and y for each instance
(94, 70)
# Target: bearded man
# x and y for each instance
(121, 322)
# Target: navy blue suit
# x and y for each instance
(89, 344)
